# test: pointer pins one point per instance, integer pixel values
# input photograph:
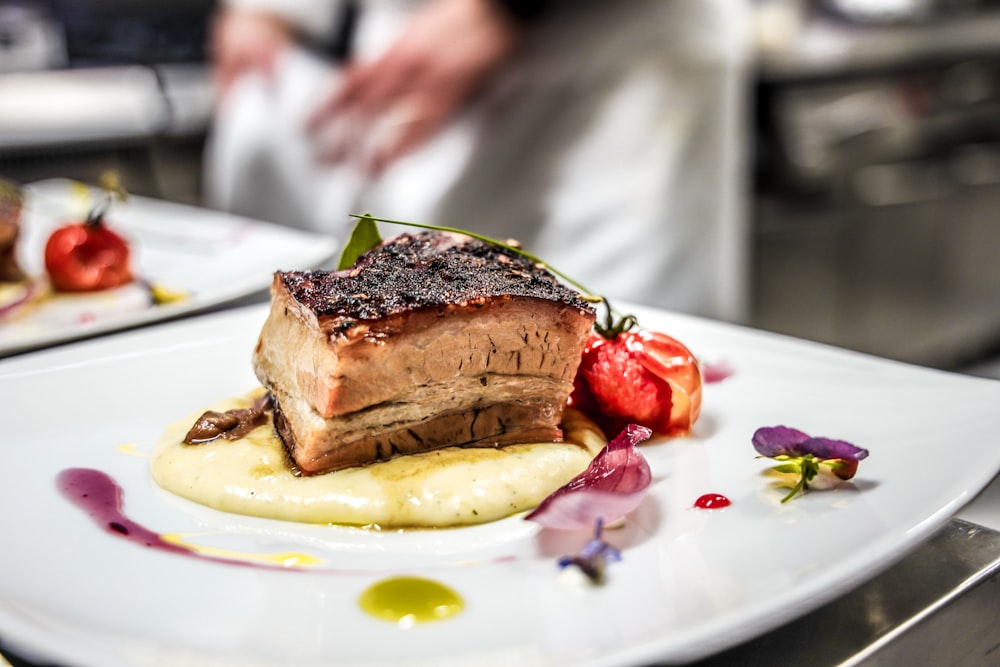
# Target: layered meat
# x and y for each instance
(10, 219)
(430, 340)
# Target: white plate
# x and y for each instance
(691, 582)
(212, 256)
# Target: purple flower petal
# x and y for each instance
(612, 486)
(827, 448)
(771, 441)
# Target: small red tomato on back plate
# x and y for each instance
(87, 257)
(638, 377)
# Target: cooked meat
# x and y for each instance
(429, 340)
(10, 216)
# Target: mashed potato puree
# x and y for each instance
(447, 487)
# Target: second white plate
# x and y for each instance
(212, 257)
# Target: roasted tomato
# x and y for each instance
(638, 377)
(87, 257)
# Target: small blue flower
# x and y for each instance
(594, 557)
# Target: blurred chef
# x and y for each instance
(607, 137)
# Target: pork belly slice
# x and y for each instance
(430, 340)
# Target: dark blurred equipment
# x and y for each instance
(29, 39)
(92, 85)
(125, 32)
(878, 179)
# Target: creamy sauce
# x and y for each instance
(446, 487)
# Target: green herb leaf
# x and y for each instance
(364, 237)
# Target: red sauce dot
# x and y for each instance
(712, 501)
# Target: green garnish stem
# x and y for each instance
(611, 327)
(486, 239)
(808, 468)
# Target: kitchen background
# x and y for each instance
(874, 131)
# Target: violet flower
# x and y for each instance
(802, 454)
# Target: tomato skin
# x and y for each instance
(638, 377)
(87, 257)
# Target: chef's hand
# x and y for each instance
(447, 51)
(242, 41)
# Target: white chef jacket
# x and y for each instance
(614, 147)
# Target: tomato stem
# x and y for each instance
(612, 327)
(96, 216)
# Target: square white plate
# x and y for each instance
(691, 582)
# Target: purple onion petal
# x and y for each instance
(612, 486)
(30, 290)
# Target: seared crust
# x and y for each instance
(418, 272)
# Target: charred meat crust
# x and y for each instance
(422, 271)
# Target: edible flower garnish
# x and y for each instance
(594, 557)
(612, 486)
(806, 456)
